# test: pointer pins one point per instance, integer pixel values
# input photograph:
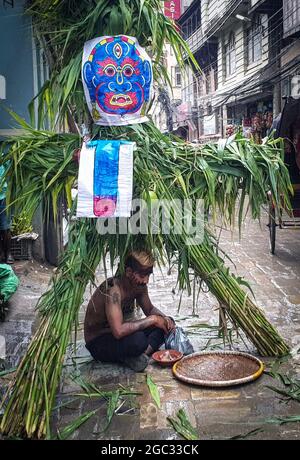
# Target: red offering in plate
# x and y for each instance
(167, 357)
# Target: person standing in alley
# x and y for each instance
(5, 234)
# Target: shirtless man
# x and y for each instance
(108, 336)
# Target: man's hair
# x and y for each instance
(140, 261)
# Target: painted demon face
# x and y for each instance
(117, 77)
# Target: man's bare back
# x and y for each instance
(96, 322)
(109, 335)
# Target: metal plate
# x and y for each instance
(218, 368)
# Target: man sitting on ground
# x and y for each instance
(108, 336)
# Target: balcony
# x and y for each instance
(225, 15)
(197, 33)
(291, 19)
(219, 21)
(195, 40)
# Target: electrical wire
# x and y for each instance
(257, 85)
(242, 40)
(281, 73)
(271, 63)
(260, 69)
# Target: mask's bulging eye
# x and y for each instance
(128, 70)
(110, 71)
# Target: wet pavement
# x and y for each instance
(21, 318)
(216, 413)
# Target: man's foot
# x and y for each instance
(137, 363)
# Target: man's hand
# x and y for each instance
(165, 323)
(160, 321)
(170, 323)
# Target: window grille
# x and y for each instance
(254, 42)
(230, 56)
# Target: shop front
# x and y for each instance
(254, 118)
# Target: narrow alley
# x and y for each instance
(217, 413)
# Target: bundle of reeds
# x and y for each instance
(30, 396)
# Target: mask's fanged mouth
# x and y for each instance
(121, 100)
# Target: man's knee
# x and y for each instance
(156, 338)
(160, 334)
(135, 344)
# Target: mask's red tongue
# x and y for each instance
(121, 100)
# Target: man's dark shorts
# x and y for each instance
(107, 348)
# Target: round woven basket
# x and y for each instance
(218, 368)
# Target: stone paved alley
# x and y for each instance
(217, 414)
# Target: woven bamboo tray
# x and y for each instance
(218, 368)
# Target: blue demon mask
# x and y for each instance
(118, 76)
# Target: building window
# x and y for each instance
(215, 78)
(200, 84)
(208, 83)
(230, 57)
(195, 90)
(177, 76)
(254, 42)
(191, 24)
(291, 15)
